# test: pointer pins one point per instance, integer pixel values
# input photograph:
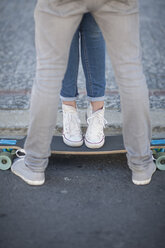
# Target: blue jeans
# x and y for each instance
(93, 61)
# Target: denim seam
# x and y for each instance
(87, 65)
(76, 89)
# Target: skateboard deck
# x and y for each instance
(113, 145)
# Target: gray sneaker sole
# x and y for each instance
(143, 182)
(21, 170)
(30, 182)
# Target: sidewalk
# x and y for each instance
(17, 69)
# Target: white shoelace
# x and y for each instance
(97, 125)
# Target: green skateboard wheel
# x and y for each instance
(160, 161)
(5, 160)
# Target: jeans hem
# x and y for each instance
(95, 99)
(68, 99)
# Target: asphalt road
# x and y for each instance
(85, 202)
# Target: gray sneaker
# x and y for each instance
(143, 177)
(30, 177)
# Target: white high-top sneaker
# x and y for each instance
(72, 135)
(94, 137)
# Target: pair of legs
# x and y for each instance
(56, 23)
(93, 61)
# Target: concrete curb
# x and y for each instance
(15, 122)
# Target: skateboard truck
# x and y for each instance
(159, 158)
(20, 153)
(7, 156)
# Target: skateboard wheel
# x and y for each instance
(160, 161)
(5, 160)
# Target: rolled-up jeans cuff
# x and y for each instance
(95, 99)
(68, 99)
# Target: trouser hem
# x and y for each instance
(95, 99)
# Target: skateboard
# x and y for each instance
(11, 148)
